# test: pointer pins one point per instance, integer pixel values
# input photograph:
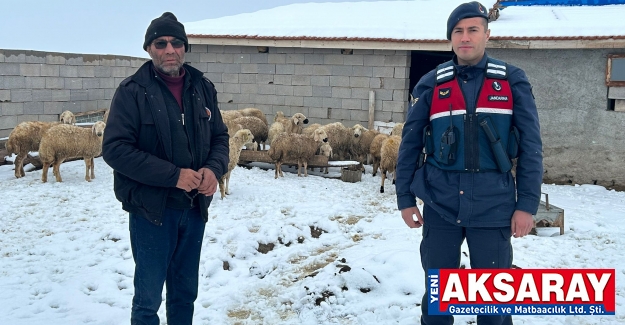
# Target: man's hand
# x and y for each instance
(522, 223)
(188, 180)
(208, 186)
(408, 213)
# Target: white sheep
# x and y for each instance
(294, 124)
(398, 129)
(256, 126)
(67, 117)
(325, 150)
(375, 150)
(230, 115)
(65, 141)
(295, 147)
(251, 111)
(236, 143)
(24, 138)
(388, 161)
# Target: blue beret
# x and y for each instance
(465, 10)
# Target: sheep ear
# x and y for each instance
(295, 121)
(316, 137)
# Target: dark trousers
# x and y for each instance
(169, 253)
(440, 249)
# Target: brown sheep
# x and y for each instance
(398, 129)
(69, 141)
(375, 150)
(388, 161)
(254, 112)
(295, 147)
(24, 138)
(361, 143)
(236, 143)
(256, 126)
(67, 117)
(325, 150)
(339, 138)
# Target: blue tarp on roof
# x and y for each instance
(508, 3)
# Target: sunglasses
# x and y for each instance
(161, 44)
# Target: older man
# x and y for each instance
(168, 146)
(469, 117)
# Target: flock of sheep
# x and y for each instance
(56, 142)
(290, 141)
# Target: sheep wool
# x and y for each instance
(24, 138)
(65, 141)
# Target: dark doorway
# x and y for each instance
(422, 62)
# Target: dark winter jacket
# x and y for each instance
(484, 198)
(138, 140)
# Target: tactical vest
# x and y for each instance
(457, 138)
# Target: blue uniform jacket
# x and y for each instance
(472, 199)
(137, 141)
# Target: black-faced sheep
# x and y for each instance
(256, 126)
(68, 141)
(295, 147)
(388, 161)
(375, 150)
(67, 117)
(254, 112)
(240, 139)
(24, 138)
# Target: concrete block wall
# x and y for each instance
(583, 142)
(323, 84)
(40, 85)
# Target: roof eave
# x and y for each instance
(576, 42)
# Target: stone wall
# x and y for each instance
(40, 85)
(323, 84)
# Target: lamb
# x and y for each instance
(288, 125)
(361, 143)
(375, 150)
(69, 141)
(398, 129)
(236, 143)
(295, 147)
(256, 126)
(388, 161)
(325, 150)
(24, 138)
(256, 113)
(67, 117)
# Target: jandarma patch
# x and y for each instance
(444, 93)
(495, 98)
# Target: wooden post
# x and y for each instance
(371, 109)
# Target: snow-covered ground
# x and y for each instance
(65, 253)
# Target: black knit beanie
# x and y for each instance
(465, 10)
(165, 25)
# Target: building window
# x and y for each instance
(615, 80)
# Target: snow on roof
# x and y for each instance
(412, 21)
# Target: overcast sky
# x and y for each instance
(106, 27)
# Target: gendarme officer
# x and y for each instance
(467, 119)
